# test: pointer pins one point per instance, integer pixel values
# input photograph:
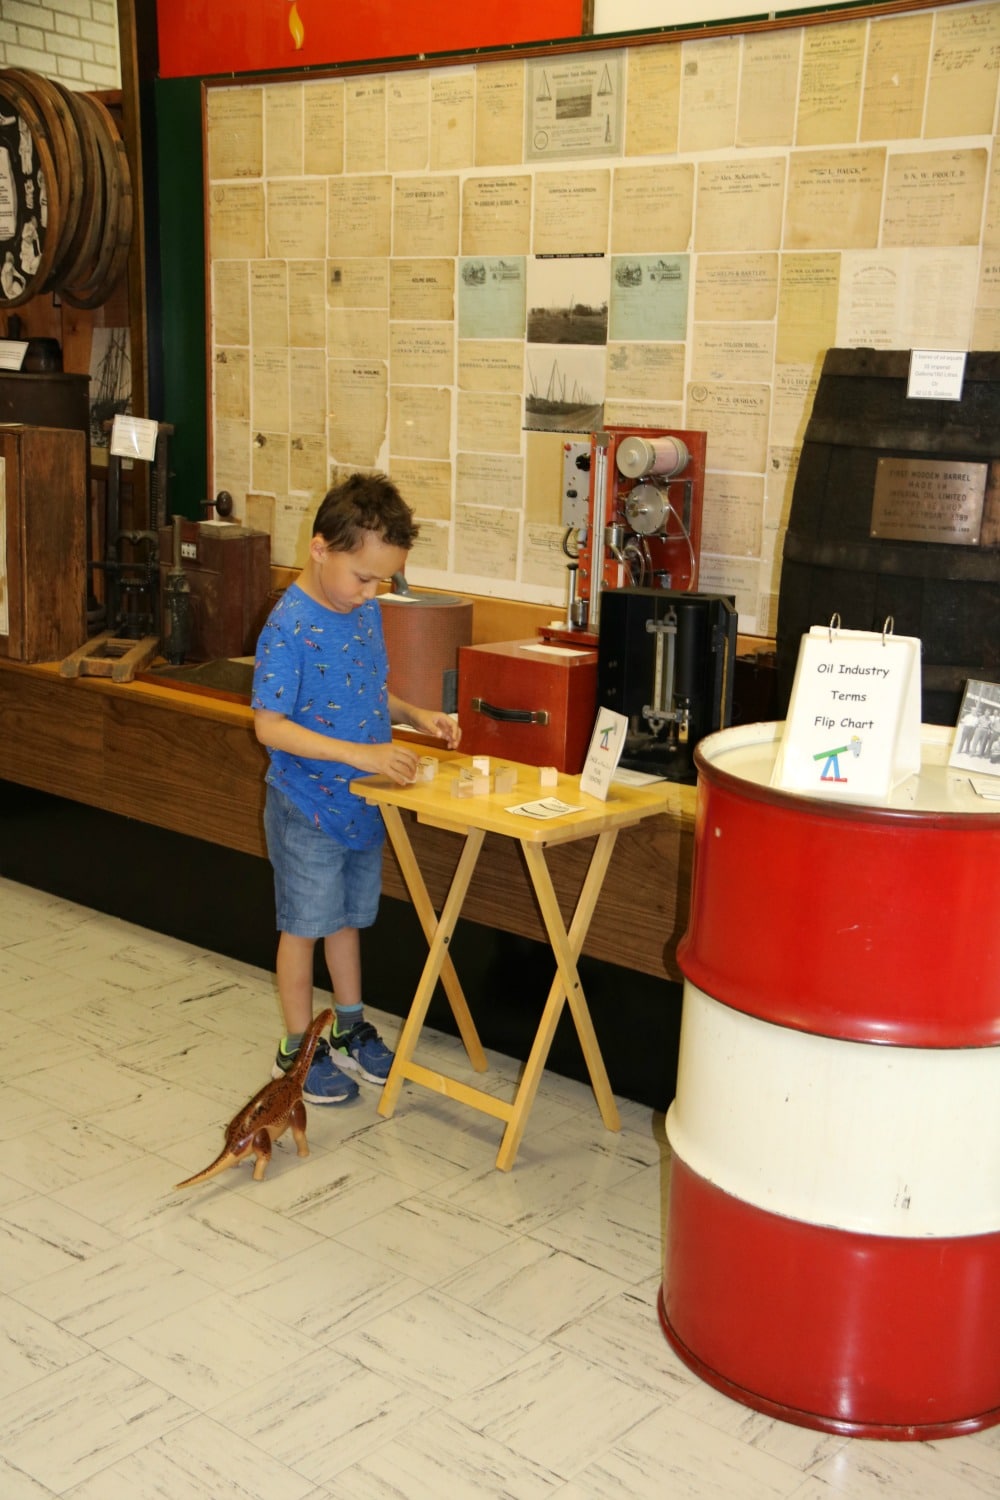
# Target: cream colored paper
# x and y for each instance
(408, 101)
(231, 455)
(269, 390)
(425, 484)
(293, 518)
(735, 288)
(768, 88)
(499, 113)
(735, 417)
(543, 560)
(296, 219)
(357, 283)
(807, 307)
(453, 102)
(235, 132)
(362, 331)
(709, 93)
(364, 123)
(425, 216)
(307, 391)
(833, 60)
(653, 107)
(834, 198)
(733, 514)
(360, 216)
(236, 221)
(732, 351)
(575, 106)
(486, 541)
(422, 354)
(230, 302)
(645, 372)
(231, 381)
(489, 422)
(283, 117)
(358, 411)
(934, 197)
(268, 303)
(323, 127)
(962, 94)
(307, 465)
(490, 365)
(419, 421)
(496, 215)
(269, 460)
(422, 289)
(571, 212)
(739, 203)
(895, 77)
(652, 207)
(488, 479)
(307, 304)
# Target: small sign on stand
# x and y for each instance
(606, 745)
(853, 725)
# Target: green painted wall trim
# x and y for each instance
(179, 307)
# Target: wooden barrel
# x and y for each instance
(838, 560)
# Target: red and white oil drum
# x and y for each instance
(833, 1229)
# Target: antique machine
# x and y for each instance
(632, 508)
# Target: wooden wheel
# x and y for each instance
(64, 142)
(116, 235)
(30, 218)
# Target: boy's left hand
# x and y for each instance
(436, 722)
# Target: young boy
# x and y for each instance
(322, 708)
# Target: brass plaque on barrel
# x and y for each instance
(929, 500)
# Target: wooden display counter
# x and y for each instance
(193, 765)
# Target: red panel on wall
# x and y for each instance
(201, 37)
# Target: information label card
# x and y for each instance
(853, 727)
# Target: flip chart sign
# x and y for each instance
(853, 726)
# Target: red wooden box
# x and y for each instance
(528, 701)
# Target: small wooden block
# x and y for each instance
(548, 776)
(427, 768)
(480, 785)
(505, 779)
(461, 786)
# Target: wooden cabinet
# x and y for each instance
(43, 542)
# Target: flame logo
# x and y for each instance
(296, 27)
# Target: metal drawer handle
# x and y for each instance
(510, 715)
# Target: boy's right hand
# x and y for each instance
(392, 760)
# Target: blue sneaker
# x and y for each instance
(325, 1083)
(361, 1050)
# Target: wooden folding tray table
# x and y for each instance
(472, 818)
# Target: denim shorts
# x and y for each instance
(319, 885)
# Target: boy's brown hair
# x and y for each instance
(365, 503)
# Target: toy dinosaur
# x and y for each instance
(275, 1108)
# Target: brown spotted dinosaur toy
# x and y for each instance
(275, 1108)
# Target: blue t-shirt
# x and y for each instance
(328, 671)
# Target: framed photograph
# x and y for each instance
(976, 746)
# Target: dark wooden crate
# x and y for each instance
(43, 588)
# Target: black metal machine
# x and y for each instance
(666, 660)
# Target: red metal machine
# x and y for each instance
(632, 504)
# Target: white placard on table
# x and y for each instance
(853, 725)
(606, 745)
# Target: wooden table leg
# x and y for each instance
(566, 987)
(439, 932)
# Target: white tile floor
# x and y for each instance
(390, 1318)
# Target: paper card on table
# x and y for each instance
(606, 745)
(134, 437)
(545, 807)
(853, 726)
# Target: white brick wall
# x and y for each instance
(75, 41)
